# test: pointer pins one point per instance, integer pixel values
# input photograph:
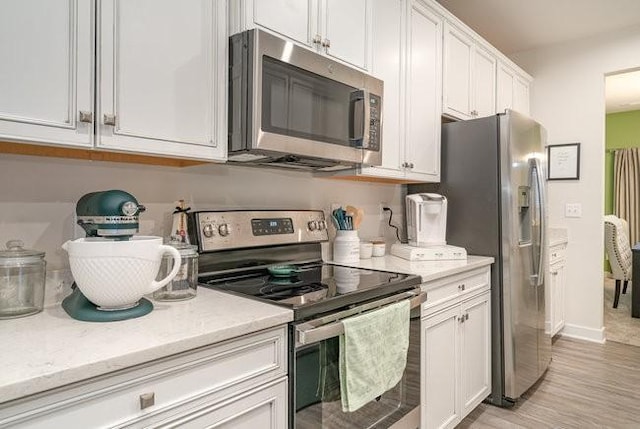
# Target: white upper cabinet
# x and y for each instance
(336, 28)
(469, 89)
(521, 95)
(424, 83)
(407, 56)
(46, 71)
(512, 90)
(346, 31)
(162, 77)
(290, 18)
(484, 83)
(458, 60)
(387, 64)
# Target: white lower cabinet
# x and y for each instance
(240, 383)
(456, 358)
(556, 285)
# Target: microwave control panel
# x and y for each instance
(375, 110)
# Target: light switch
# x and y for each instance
(573, 210)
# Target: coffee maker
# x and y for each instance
(426, 219)
(427, 230)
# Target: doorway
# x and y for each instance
(622, 138)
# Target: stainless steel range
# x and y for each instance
(275, 256)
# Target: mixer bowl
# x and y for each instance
(115, 274)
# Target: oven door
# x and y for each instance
(300, 103)
(314, 377)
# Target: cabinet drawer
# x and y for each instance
(557, 253)
(456, 286)
(117, 398)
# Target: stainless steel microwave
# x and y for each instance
(292, 107)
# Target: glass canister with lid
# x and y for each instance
(22, 280)
(184, 285)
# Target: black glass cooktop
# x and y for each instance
(312, 289)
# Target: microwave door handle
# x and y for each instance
(316, 330)
(359, 100)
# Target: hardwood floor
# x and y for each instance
(588, 385)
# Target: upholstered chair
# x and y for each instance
(616, 242)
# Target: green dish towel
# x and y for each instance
(373, 353)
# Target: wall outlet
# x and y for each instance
(573, 210)
(381, 213)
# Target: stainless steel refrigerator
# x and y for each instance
(494, 176)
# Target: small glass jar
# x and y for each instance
(346, 247)
(22, 280)
(185, 284)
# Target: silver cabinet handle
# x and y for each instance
(461, 319)
(326, 43)
(466, 316)
(461, 287)
(109, 119)
(317, 40)
(411, 165)
(84, 116)
(147, 400)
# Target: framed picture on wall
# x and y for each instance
(563, 161)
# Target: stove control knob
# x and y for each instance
(313, 225)
(223, 230)
(207, 230)
(322, 225)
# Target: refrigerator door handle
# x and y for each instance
(542, 210)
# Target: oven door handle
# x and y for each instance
(331, 326)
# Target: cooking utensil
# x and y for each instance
(358, 218)
(22, 280)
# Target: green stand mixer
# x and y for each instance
(108, 216)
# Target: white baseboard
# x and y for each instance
(583, 333)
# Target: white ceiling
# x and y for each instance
(519, 25)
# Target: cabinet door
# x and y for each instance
(457, 87)
(440, 369)
(264, 407)
(162, 77)
(46, 71)
(423, 94)
(484, 83)
(557, 294)
(386, 63)
(346, 34)
(475, 352)
(521, 95)
(296, 19)
(504, 88)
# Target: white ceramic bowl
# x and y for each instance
(116, 274)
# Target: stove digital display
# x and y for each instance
(272, 226)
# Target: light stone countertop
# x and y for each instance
(50, 349)
(558, 236)
(428, 270)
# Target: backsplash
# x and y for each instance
(38, 196)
